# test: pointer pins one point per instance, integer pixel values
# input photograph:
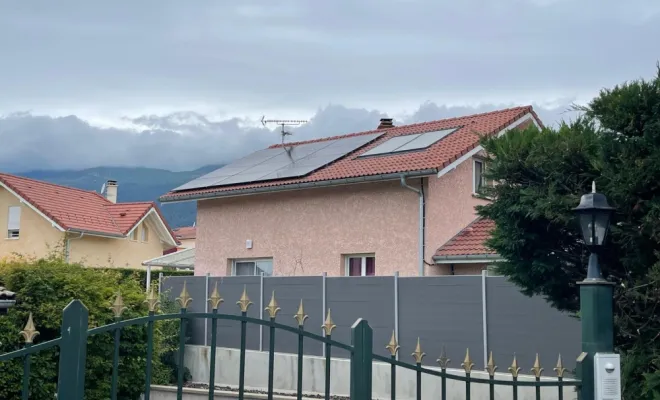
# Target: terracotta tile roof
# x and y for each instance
(79, 210)
(185, 232)
(437, 156)
(470, 241)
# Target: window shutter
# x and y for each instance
(14, 221)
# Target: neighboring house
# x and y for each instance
(40, 217)
(369, 203)
(186, 236)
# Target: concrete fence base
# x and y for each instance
(285, 376)
(159, 392)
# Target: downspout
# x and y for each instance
(67, 246)
(420, 193)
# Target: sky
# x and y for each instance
(174, 84)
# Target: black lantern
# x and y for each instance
(594, 212)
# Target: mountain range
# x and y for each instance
(135, 184)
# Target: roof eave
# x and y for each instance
(96, 233)
(298, 186)
(467, 258)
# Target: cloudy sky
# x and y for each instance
(179, 84)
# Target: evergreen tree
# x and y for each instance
(541, 175)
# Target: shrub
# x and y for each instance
(140, 275)
(44, 287)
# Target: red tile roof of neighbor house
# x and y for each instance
(436, 156)
(185, 232)
(80, 210)
(470, 241)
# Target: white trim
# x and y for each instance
(163, 227)
(469, 261)
(479, 148)
(363, 267)
(33, 208)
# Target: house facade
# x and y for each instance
(40, 218)
(186, 235)
(376, 210)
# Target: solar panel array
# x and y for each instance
(408, 142)
(279, 163)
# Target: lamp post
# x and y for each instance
(596, 293)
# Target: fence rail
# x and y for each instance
(75, 331)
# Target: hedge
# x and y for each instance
(140, 275)
(44, 287)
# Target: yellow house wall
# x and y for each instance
(187, 243)
(37, 236)
(96, 251)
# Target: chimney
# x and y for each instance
(385, 123)
(111, 191)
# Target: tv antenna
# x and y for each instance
(283, 123)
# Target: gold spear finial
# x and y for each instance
(215, 298)
(536, 369)
(418, 354)
(491, 367)
(393, 346)
(29, 332)
(467, 363)
(300, 315)
(559, 369)
(514, 369)
(118, 306)
(152, 300)
(328, 325)
(443, 360)
(272, 307)
(244, 303)
(184, 298)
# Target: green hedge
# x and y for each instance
(44, 287)
(140, 275)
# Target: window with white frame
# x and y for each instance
(360, 265)
(252, 267)
(14, 222)
(478, 179)
(134, 234)
(145, 234)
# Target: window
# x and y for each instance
(133, 235)
(14, 222)
(360, 265)
(479, 180)
(252, 267)
(145, 234)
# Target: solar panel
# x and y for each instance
(403, 143)
(278, 163)
(425, 140)
(391, 145)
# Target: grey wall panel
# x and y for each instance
(441, 311)
(288, 293)
(370, 298)
(526, 326)
(229, 332)
(196, 287)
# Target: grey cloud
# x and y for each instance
(299, 53)
(183, 140)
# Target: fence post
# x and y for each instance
(484, 314)
(597, 317)
(73, 352)
(361, 359)
(396, 309)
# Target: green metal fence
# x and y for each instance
(75, 331)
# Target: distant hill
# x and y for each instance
(135, 184)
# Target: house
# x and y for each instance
(368, 203)
(186, 236)
(40, 217)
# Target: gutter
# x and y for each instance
(420, 193)
(296, 186)
(468, 258)
(67, 249)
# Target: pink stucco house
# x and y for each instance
(398, 198)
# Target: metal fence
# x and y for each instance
(482, 313)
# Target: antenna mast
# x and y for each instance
(283, 123)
